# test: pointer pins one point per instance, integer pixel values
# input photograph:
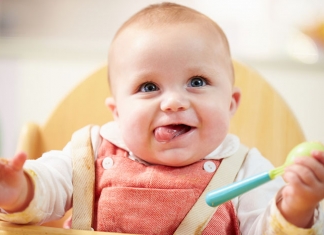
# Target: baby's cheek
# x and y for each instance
(134, 136)
(214, 135)
(219, 124)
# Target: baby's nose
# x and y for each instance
(174, 102)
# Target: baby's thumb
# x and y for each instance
(18, 161)
(68, 223)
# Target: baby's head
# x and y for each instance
(169, 14)
(171, 77)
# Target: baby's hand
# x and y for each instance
(304, 190)
(14, 184)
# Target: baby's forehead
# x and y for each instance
(135, 33)
(129, 36)
(137, 29)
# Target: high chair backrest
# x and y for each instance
(84, 105)
(263, 119)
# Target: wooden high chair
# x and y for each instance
(263, 119)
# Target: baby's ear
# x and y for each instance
(111, 104)
(236, 97)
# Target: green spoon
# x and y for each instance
(226, 193)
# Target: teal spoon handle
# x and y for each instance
(226, 193)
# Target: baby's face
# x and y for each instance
(173, 93)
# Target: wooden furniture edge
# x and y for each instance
(14, 229)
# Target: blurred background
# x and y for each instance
(47, 47)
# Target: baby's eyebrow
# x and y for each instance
(145, 76)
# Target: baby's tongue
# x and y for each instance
(167, 133)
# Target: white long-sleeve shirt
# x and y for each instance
(256, 209)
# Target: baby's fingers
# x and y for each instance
(310, 170)
(18, 161)
(319, 156)
(14, 164)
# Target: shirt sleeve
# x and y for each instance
(277, 225)
(51, 175)
(257, 210)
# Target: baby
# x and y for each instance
(171, 76)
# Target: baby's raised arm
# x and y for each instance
(15, 186)
(304, 190)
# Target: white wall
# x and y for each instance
(47, 47)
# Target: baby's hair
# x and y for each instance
(169, 13)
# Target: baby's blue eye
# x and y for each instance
(197, 82)
(148, 87)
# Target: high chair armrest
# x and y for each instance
(14, 229)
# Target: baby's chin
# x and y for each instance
(172, 160)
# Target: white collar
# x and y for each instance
(110, 131)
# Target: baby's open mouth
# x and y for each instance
(169, 132)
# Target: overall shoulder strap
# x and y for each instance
(200, 214)
(83, 179)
